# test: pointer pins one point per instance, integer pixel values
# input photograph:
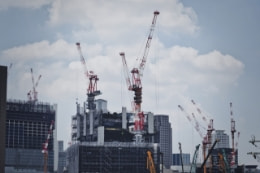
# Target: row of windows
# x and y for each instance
(24, 134)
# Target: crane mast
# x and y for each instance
(45, 148)
(33, 94)
(134, 84)
(233, 130)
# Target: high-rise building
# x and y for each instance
(27, 127)
(163, 136)
(176, 159)
(223, 137)
(61, 157)
(3, 90)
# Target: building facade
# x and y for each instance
(111, 157)
(176, 159)
(223, 137)
(3, 91)
(105, 142)
(27, 127)
(61, 157)
(163, 136)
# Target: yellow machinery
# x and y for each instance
(150, 163)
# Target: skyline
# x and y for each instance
(205, 51)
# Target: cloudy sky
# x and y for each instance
(203, 50)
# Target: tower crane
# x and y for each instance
(45, 147)
(206, 139)
(135, 84)
(253, 140)
(255, 155)
(209, 122)
(33, 94)
(233, 131)
(92, 92)
(93, 78)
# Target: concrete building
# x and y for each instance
(163, 136)
(3, 91)
(176, 159)
(224, 139)
(27, 127)
(61, 157)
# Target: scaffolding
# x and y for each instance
(112, 157)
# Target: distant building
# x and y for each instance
(176, 159)
(163, 136)
(3, 90)
(61, 157)
(223, 137)
(27, 127)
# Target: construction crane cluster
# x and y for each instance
(207, 139)
(206, 136)
(135, 84)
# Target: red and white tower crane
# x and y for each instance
(92, 92)
(33, 94)
(92, 85)
(45, 147)
(135, 84)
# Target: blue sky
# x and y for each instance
(202, 50)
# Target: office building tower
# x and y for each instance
(163, 136)
(27, 127)
(223, 137)
(61, 157)
(3, 90)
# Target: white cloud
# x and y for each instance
(43, 50)
(121, 20)
(185, 66)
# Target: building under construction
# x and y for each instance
(105, 142)
(27, 129)
(111, 157)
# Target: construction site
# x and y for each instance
(120, 142)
